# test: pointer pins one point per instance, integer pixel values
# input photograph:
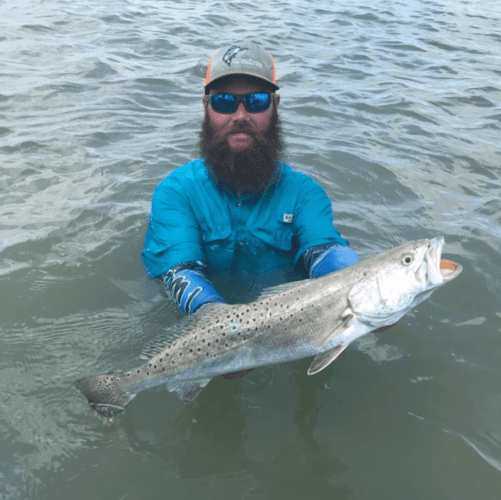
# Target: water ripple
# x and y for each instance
(394, 107)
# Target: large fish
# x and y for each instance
(318, 317)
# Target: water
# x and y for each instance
(394, 107)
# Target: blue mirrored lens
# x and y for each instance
(224, 103)
(227, 103)
(255, 103)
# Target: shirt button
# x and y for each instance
(240, 203)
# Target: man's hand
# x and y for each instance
(189, 288)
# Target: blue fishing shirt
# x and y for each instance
(248, 242)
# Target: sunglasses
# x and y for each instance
(228, 103)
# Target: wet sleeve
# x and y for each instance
(324, 259)
(189, 288)
(173, 234)
(313, 219)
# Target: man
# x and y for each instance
(238, 219)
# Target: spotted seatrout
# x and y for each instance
(319, 317)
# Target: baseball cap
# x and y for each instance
(244, 58)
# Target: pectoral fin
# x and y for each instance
(325, 359)
(343, 324)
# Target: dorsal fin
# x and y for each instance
(273, 290)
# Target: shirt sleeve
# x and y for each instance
(313, 218)
(174, 235)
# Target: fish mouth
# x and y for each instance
(439, 271)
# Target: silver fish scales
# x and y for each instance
(319, 317)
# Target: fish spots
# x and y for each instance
(214, 334)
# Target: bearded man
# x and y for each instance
(237, 220)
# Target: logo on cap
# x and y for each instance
(231, 53)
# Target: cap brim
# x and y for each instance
(217, 80)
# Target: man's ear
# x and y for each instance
(277, 100)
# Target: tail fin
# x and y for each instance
(104, 394)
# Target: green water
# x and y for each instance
(394, 107)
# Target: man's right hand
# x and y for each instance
(189, 288)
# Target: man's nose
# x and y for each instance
(240, 112)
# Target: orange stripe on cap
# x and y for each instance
(273, 70)
(209, 68)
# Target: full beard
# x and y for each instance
(244, 171)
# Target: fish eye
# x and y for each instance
(407, 259)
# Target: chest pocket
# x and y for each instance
(278, 235)
(218, 245)
(273, 220)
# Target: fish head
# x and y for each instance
(434, 271)
(396, 281)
